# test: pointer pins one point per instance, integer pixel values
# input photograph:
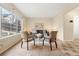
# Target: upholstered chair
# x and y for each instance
(53, 38)
(26, 37)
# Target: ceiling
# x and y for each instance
(74, 12)
(43, 9)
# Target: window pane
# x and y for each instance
(9, 23)
(5, 26)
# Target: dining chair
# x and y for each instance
(45, 35)
(26, 37)
(53, 35)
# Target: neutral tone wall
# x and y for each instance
(67, 33)
(58, 25)
(8, 42)
(75, 16)
(49, 23)
(46, 21)
(76, 27)
(68, 28)
(72, 27)
(65, 28)
(25, 24)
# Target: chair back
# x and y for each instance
(25, 34)
(53, 35)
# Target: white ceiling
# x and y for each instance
(42, 9)
(74, 12)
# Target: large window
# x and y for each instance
(9, 23)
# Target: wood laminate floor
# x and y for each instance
(69, 48)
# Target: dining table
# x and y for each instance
(40, 35)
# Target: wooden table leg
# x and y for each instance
(27, 46)
(34, 42)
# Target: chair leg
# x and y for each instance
(56, 44)
(21, 44)
(27, 46)
(43, 42)
(50, 46)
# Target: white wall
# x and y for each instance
(76, 27)
(68, 28)
(49, 23)
(65, 28)
(7, 42)
(46, 21)
(72, 28)
(58, 25)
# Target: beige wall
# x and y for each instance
(64, 27)
(46, 21)
(68, 28)
(25, 24)
(71, 30)
(58, 25)
(49, 23)
(74, 14)
(76, 27)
